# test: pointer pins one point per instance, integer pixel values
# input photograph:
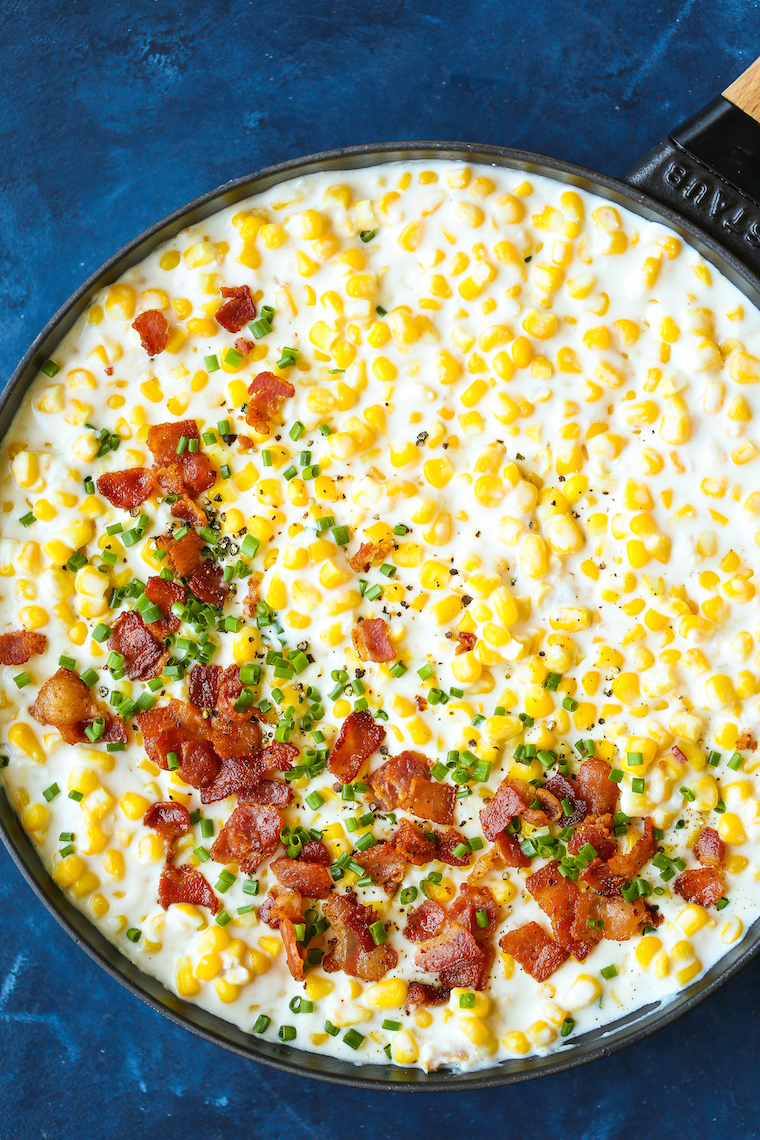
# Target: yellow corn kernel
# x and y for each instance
(22, 736)
(731, 829)
(133, 805)
(186, 983)
(732, 930)
(86, 884)
(516, 1042)
(208, 966)
(388, 994)
(744, 368)
(691, 918)
(474, 1028)
(404, 1049)
(438, 472)
(66, 873)
(466, 668)
(151, 849)
(646, 950)
(34, 817)
(113, 864)
(534, 556)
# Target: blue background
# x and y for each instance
(113, 114)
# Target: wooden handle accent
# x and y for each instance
(744, 92)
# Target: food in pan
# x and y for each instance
(380, 660)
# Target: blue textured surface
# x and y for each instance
(110, 116)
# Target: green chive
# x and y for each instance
(262, 1023)
(22, 679)
(51, 792)
(353, 1039)
(133, 934)
(211, 363)
(609, 972)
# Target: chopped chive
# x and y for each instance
(211, 363)
(22, 679)
(736, 761)
(262, 1023)
(223, 918)
(333, 1030)
(51, 792)
(133, 934)
(353, 1039)
(391, 1026)
(50, 368)
(552, 681)
(609, 972)
(367, 235)
(568, 1025)
(27, 519)
(340, 534)
(285, 1032)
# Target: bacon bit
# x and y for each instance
(230, 688)
(169, 819)
(424, 921)
(404, 781)
(360, 735)
(465, 642)
(197, 473)
(244, 442)
(163, 440)
(746, 741)
(115, 729)
(144, 657)
(421, 703)
(371, 641)
(386, 864)
(510, 851)
(267, 395)
(184, 554)
(274, 792)
(701, 885)
(164, 594)
(550, 810)
(253, 596)
(185, 885)
(630, 863)
(420, 994)
(250, 835)
(191, 472)
(709, 848)
(204, 685)
(153, 329)
(126, 489)
(598, 876)
(165, 727)
(370, 554)
(564, 787)
(538, 953)
(243, 346)
(189, 511)
(417, 848)
(278, 754)
(200, 764)
(445, 842)
(457, 958)
(595, 831)
(18, 646)
(470, 900)
(280, 903)
(208, 584)
(235, 774)
(238, 311)
(312, 880)
(595, 786)
(678, 754)
(313, 851)
(236, 739)
(498, 813)
(353, 949)
(558, 898)
(487, 861)
(620, 919)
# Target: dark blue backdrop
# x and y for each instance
(112, 114)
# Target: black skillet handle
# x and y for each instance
(708, 169)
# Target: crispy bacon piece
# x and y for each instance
(185, 885)
(18, 646)
(360, 735)
(595, 786)
(204, 685)
(64, 701)
(445, 842)
(558, 898)
(153, 329)
(250, 835)
(599, 876)
(538, 953)
(278, 754)
(425, 921)
(144, 657)
(709, 848)
(465, 642)
(236, 739)
(386, 864)
(189, 511)
(510, 851)
(417, 848)
(184, 554)
(485, 863)
(676, 752)
(457, 957)
(630, 863)
(465, 907)
(244, 347)
(420, 994)
(371, 641)
(314, 851)
(267, 394)
(165, 727)
(564, 787)
(595, 831)
(404, 781)
(312, 880)
(126, 489)
(274, 792)
(169, 819)
(746, 741)
(353, 949)
(498, 813)
(230, 688)
(550, 810)
(200, 764)
(370, 554)
(701, 885)
(620, 919)
(235, 774)
(190, 472)
(164, 594)
(281, 902)
(207, 583)
(238, 311)
(164, 438)
(252, 597)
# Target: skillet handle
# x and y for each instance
(708, 169)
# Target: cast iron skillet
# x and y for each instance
(704, 182)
